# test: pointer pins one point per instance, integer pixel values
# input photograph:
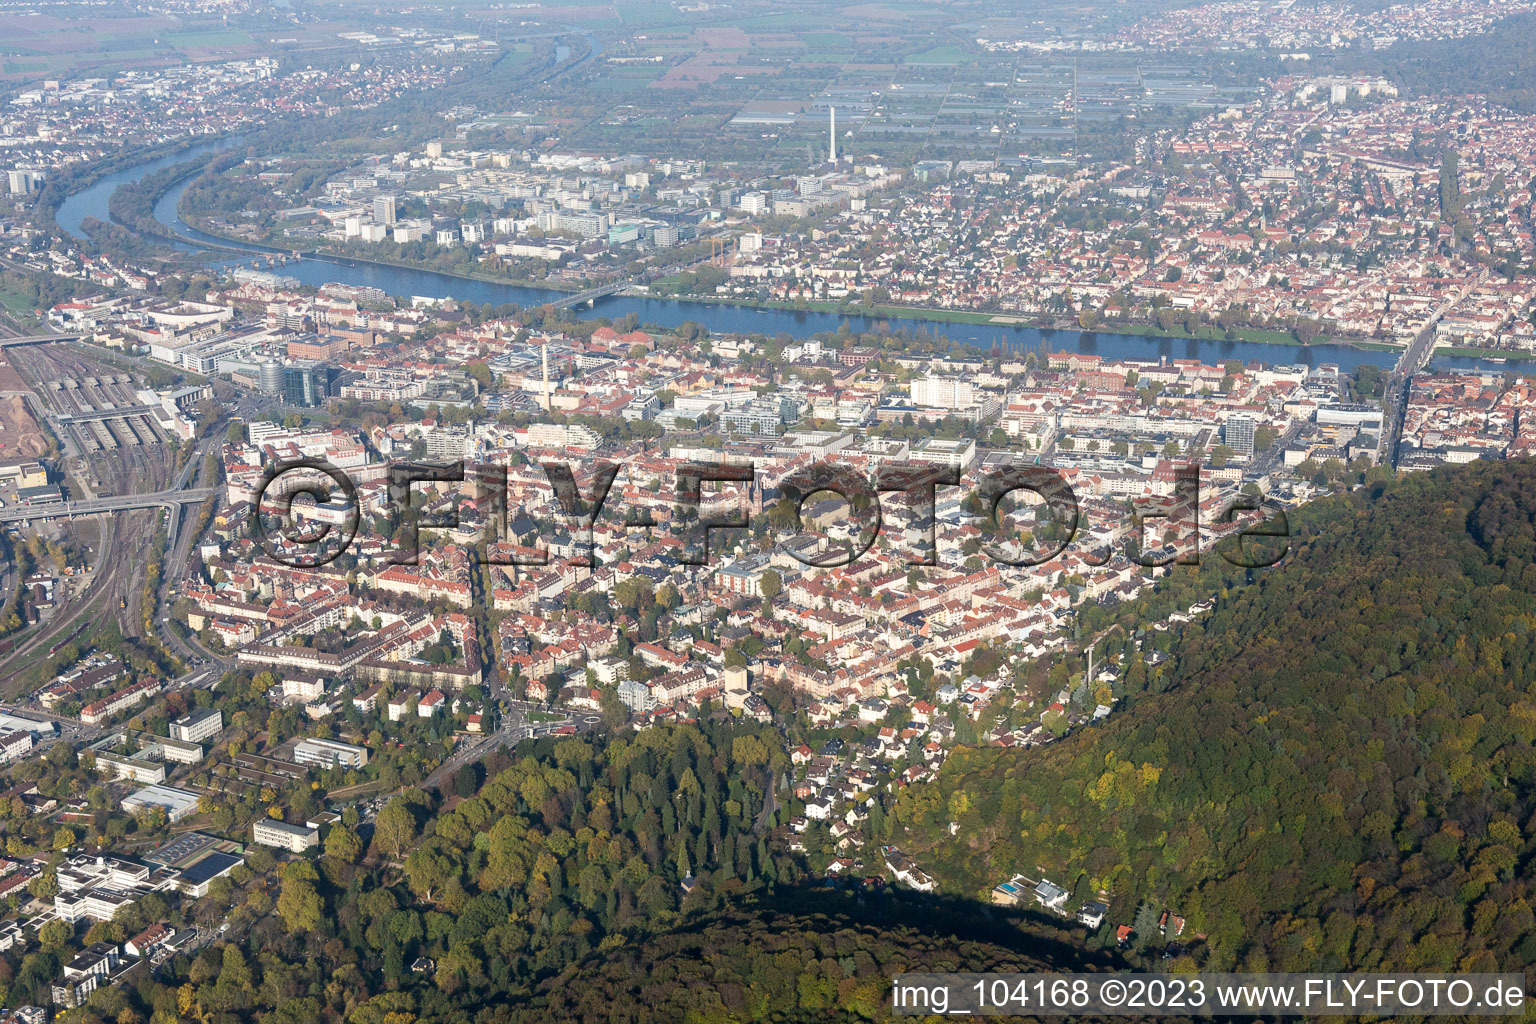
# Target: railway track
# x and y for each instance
(126, 458)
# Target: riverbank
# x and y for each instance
(985, 331)
(511, 282)
(1457, 352)
(93, 200)
(327, 255)
(878, 311)
(142, 217)
(939, 314)
(51, 201)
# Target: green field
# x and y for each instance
(772, 22)
(621, 84)
(948, 54)
(648, 15)
(207, 40)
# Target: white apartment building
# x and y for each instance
(943, 393)
(283, 836)
(198, 726)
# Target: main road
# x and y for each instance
(1413, 359)
(515, 725)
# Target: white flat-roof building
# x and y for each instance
(99, 904)
(11, 721)
(168, 749)
(131, 768)
(329, 752)
(178, 803)
(293, 838)
(959, 453)
(198, 726)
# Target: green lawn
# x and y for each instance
(1265, 337)
(1482, 353)
(36, 667)
(15, 301)
(517, 55)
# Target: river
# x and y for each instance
(718, 318)
(93, 200)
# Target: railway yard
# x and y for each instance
(95, 412)
(111, 447)
(98, 398)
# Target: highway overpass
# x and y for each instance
(172, 500)
(105, 414)
(38, 339)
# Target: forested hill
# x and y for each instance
(1498, 64)
(1340, 774)
(808, 955)
(616, 878)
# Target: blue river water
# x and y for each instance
(718, 318)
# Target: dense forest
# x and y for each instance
(629, 879)
(801, 955)
(1338, 773)
(1500, 64)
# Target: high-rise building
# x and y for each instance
(384, 211)
(933, 392)
(271, 377)
(304, 385)
(1239, 435)
(832, 134)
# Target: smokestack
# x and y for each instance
(832, 133)
(544, 391)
